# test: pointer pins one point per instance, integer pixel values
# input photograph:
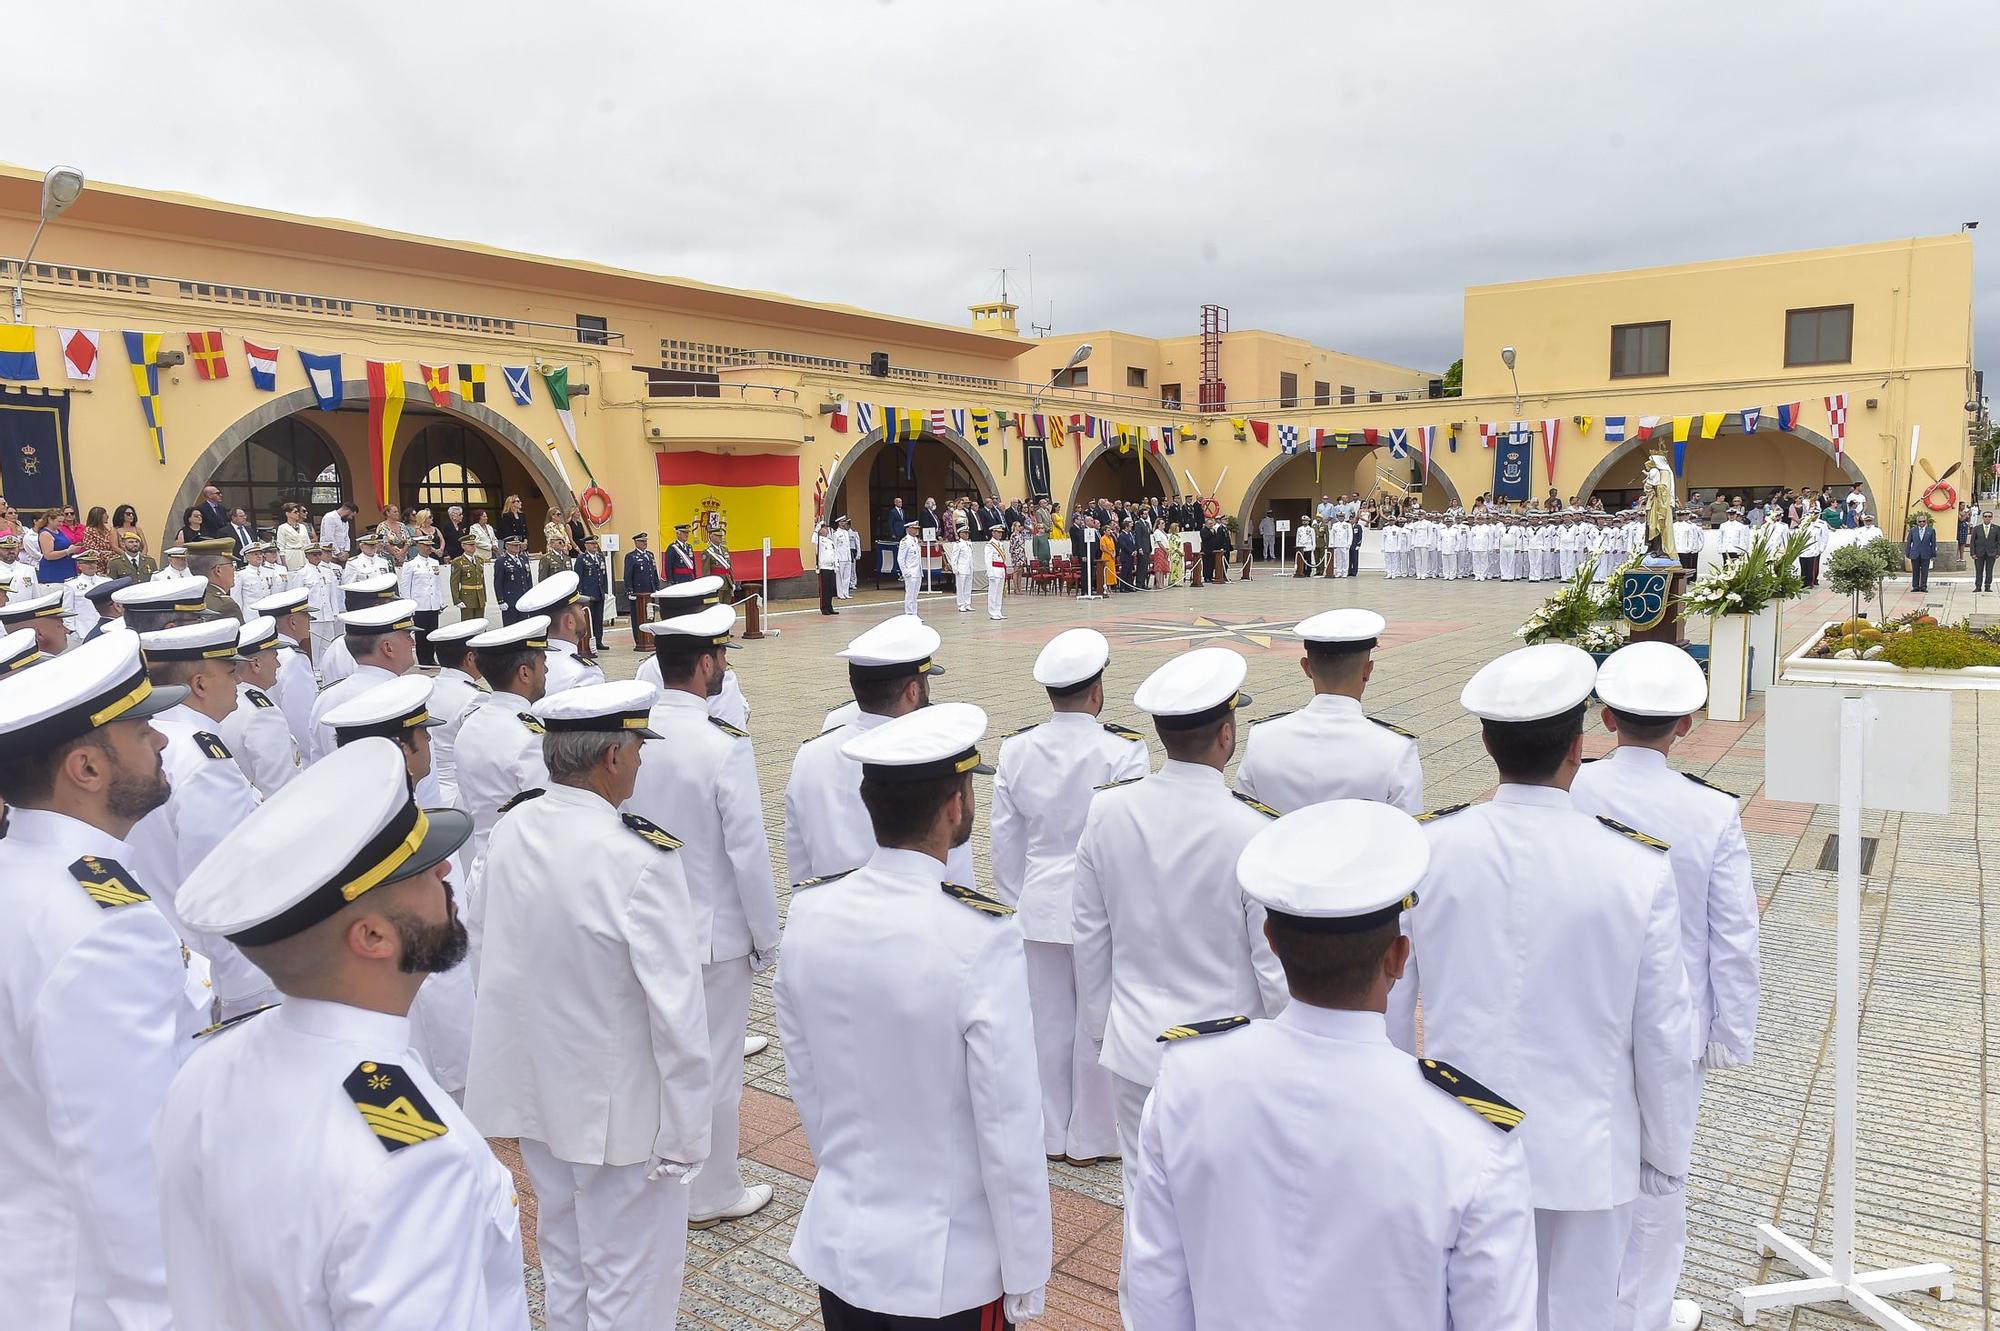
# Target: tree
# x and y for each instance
(1857, 571)
(1454, 378)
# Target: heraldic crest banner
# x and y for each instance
(34, 449)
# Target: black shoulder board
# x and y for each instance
(1022, 731)
(1123, 732)
(965, 896)
(823, 878)
(1255, 803)
(258, 698)
(1593, 760)
(528, 720)
(231, 1021)
(728, 729)
(1194, 1028)
(823, 734)
(392, 1106)
(1633, 833)
(649, 831)
(211, 744)
(107, 883)
(1704, 781)
(1446, 812)
(1126, 782)
(1391, 725)
(1471, 1094)
(1272, 717)
(523, 797)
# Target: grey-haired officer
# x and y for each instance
(1045, 778)
(454, 687)
(297, 688)
(41, 615)
(1547, 957)
(700, 775)
(162, 603)
(826, 827)
(558, 597)
(92, 984)
(1331, 748)
(337, 661)
(690, 598)
(398, 1215)
(255, 732)
(1420, 1218)
(589, 1039)
(210, 793)
(382, 641)
(1650, 692)
(919, 1066)
(499, 750)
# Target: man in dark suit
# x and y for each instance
(240, 532)
(680, 557)
(1920, 546)
(895, 520)
(1354, 545)
(930, 520)
(214, 517)
(642, 579)
(1985, 549)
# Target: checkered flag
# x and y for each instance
(1836, 417)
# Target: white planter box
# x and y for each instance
(1802, 669)
(1728, 667)
(1764, 647)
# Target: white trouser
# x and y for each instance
(1129, 1099)
(963, 585)
(843, 578)
(1576, 1258)
(1509, 563)
(1651, 1272)
(1077, 1115)
(996, 587)
(613, 1245)
(910, 586)
(725, 988)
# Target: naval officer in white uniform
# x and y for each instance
(256, 732)
(914, 1074)
(1414, 1213)
(1331, 749)
(691, 598)
(381, 641)
(1547, 955)
(499, 750)
(569, 629)
(1650, 692)
(1045, 779)
(454, 687)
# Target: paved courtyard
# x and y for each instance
(1930, 1037)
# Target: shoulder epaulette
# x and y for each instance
(1255, 803)
(258, 698)
(106, 882)
(517, 800)
(1195, 1028)
(822, 734)
(1273, 716)
(1471, 1094)
(1704, 781)
(1123, 732)
(735, 732)
(1391, 725)
(1593, 760)
(392, 1106)
(823, 878)
(1022, 731)
(965, 896)
(1633, 832)
(534, 727)
(649, 831)
(227, 1022)
(211, 744)
(1446, 812)
(1126, 781)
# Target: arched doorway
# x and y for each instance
(288, 461)
(1751, 465)
(941, 461)
(1106, 473)
(1291, 484)
(449, 463)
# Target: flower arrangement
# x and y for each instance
(1751, 583)
(1581, 613)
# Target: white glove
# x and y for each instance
(1718, 1059)
(1022, 1308)
(1655, 1184)
(672, 1169)
(761, 961)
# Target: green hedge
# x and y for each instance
(1940, 649)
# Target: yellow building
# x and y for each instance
(691, 399)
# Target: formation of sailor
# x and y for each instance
(297, 687)
(381, 641)
(691, 598)
(453, 690)
(498, 752)
(557, 597)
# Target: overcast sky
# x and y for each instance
(1340, 171)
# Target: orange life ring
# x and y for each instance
(1940, 498)
(1212, 508)
(596, 506)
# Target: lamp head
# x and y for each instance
(1078, 357)
(1507, 357)
(60, 188)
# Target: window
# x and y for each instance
(1134, 377)
(285, 462)
(1077, 377)
(1170, 396)
(1820, 336)
(448, 463)
(592, 330)
(1374, 396)
(1638, 350)
(1322, 393)
(1346, 395)
(1288, 389)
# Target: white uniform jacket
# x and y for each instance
(589, 1030)
(497, 756)
(92, 1023)
(295, 693)
(1547, 953)
(1711, 873)
(422, 580)
(1164, 936)
(1042, 788)
(910, 559)
(700, 779)
(1330, 750)
(826, 825)
(260, 740)
(915, 1080)
(566, 669)
(360, 678)
(1229, 1222)
(452, 692)
(729, 705)
(394, 1212)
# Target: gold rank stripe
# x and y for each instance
(1505, 1115)
(111, 892)
(399, 1121)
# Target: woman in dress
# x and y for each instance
(578, 529)
(57, 552)
(125, 518)
(98, 536)
(293, 537)
(191, 527)
(485, 540)
(1107, 558)
(424, 535)
(1017, 558)
(1162, 565)
(1176, 556)
(395, 534)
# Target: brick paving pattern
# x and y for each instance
(1930, 1036)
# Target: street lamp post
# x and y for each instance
(60, 188)
(1507, 357)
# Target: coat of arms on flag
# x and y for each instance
(472, 382)
(205, 350)
(437, 382)
(263, 365)
(517, 384)
(79, 349)
(17, 352)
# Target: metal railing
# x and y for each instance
(739, 391)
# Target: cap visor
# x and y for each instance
(984, 769)
(431, 723)
(933, 669)
(1244, 700)
(159, 700)
(448, 830)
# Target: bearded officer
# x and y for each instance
(1547, 957)
(398, 1215)
(1046, 775)
(557, 597)
(454, 687)
(337, 661)
(925, 1050)
(690, 598)
(826, 826)
(589, 1039)
(382, 642)
(701, 775)
(1419, 1206)
(1650, 692)
(91, 989)
(1331, 749)
(499, 750)
(255, 732)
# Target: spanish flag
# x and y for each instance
(757, 495)
(385, 409)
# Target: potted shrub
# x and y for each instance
(1857, 571)
(1581, 613)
